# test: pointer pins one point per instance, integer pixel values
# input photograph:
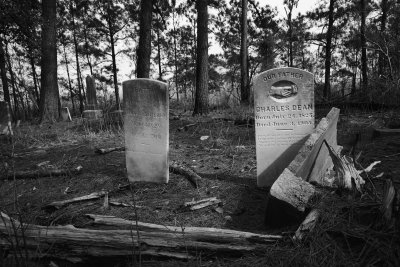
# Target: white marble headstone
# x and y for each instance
(146, 130)
(284, 118)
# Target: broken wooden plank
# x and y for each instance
(308, 225)
(70, 242)
(202, 203)
(40, 173)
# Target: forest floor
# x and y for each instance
(349, 233)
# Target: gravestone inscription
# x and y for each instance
(5, 118)
(146, 130)
(284, 117)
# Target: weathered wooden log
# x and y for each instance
(40, 173)
(202, 203)
(70, 242)
(205, 233)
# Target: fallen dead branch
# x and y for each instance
(190, 175)
(186, 127)
(62, 203)
(103, 151)
(40, 173)
(70, 242)
(199, 204)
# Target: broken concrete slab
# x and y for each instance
(292, 193)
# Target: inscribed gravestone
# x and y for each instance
(91, 111)
(5, 118)
(146, 130)
(91, 93)
(284, 117)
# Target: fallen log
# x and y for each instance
(40, 173)
(206, 233)
(70, 242)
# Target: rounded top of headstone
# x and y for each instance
(145, 80)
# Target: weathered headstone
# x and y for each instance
(65, 115)
(5, 118)
(146, 130)
(91, 110)
(284, 117)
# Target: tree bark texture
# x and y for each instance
(244, 71)
(201, 97)
(114, 65)
(78, 70)
(328, 51)
(70, 242)
(364, 67)
(3, 71)
(49, 95)
(144, 49)
(381, 60)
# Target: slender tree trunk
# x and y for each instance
(36, 88)
(86, 52)
(381, 59)
(364, 67)
(78, 69)
(328, 52)
(49, 98)
(13, 86)
(114, 65)
(175, 56)
(69, 80)
(201, 99)
(290, 33)
(244, 73)
(3, 71)
(144, 49)
(159, 56)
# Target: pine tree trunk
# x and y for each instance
(12, 80)
(49, 98)
(244, 74)
(144, 49)
(381, 59)
(69, 81)
(175, 57)
(36, 88)
(201, 98)
(78, 70)
(364, 67)
(328, 52)
(3, 71)
(114, 65)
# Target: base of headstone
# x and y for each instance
(92, 114)
(117, 115)
(65, 114)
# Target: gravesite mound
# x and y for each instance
(300, 185)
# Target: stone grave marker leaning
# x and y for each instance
(146, 127)
(284, 118)
(91, 111)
